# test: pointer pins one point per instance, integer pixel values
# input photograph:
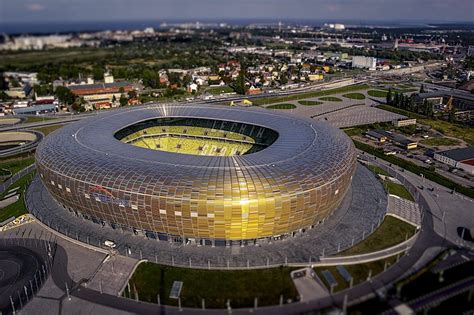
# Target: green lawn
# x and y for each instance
(17, 164)
(393, 188)
(30, 119)
(354, 96)
(294, 97)
(440, 141)
(359, 272)
(215, 286)
(282, 106)
(216, 90)
(391, 232)
(309, 103)
(18, 208)
(330, 99)
(48, 129)
(398, 190)
(377, 93)
(377, 170)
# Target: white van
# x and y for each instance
(110, 244)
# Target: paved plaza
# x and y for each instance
(360, 213)
(347, 112)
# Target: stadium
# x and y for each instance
(209, 174)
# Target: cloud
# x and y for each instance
(35, 7)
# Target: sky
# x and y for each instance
(22, 11)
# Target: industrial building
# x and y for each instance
(462, 158)
(364, 62)
(383, 136)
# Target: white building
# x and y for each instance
(459, 158)
(364, 62)
(108, 78)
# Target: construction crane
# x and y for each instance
(449, 105)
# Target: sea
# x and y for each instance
(36, 28)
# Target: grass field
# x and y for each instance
(17, 164)
(358, 272)
(398, 190)
(295, 97)
(449, 129)
(216, 287)
(377, 170)
(192, 146)
(216, 90)
(309, 103)
(391, 232)
(31, 119)
(377, 93)
(22, 59)
(354, 96)
(330, 99)
(18, 208)
(440, 141)
(282, 106)
(48, 129)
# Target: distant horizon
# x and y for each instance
(39, 27)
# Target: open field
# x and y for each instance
(215, 286)
(309, 103)
(282, 106)
(330, 99)
(449, 129)
(391, 232)
(440, 141)
(294, 97)
(354, 96)
(22, 59)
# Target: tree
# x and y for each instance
(98, 73)
(389, 97)
(240, 84)
(3, 96)
(65, 95)
(186, 80)
(123, 101)
(396, 100)
(422, 88)
(132, 94)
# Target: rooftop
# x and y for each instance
(459, 155)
